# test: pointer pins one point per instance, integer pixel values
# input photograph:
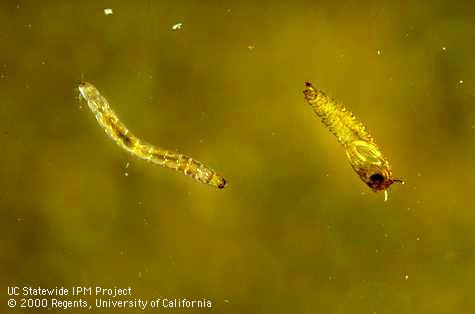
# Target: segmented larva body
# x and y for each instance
(116, 130)
(364, 155)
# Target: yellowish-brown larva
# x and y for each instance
(116, 130)
(364, 155)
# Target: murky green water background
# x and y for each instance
(295, 231)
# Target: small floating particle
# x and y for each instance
(461, 82)
(251, 47)
(379, 52)
(444, 48)
(108, 11)
(177, 26)
(126, 174)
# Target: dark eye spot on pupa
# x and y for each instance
(377, 177)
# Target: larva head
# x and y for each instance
(218, 181)
(368, 161)
(380, 179)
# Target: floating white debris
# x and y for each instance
(461, 81)
(126, 174)
(108, 11)
(379, 52)
(177, 26)
(444, 48)
(406, 277)
(251, 47)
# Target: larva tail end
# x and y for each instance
(83, 88)
(310, 92)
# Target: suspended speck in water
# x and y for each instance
(406, 277)
(379, 52)
(127, 165)
(461, 81)
(140, 274)
(108, 11)
(444, 48)
(177, 26)
(226, 301)
(251, 47)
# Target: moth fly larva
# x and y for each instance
(364, 155)
(116, 130)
